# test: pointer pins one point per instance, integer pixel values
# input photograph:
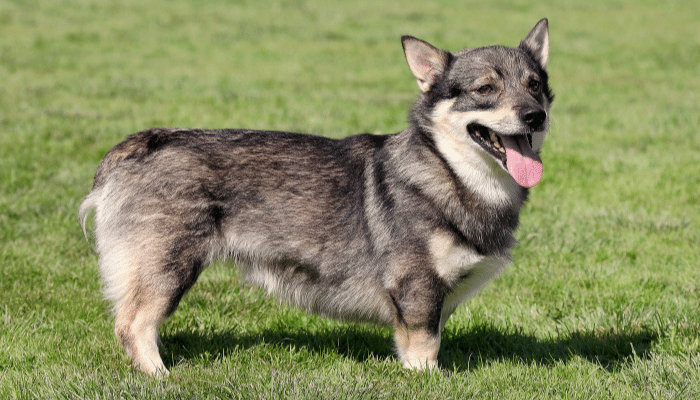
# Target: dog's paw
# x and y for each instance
(420, 364)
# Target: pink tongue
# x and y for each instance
(524, 165)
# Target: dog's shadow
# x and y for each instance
(482, 345)
(461, 350)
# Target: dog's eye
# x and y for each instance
(535, 85)
(485, 89)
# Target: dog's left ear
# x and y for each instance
(425, 61)
(537, 43)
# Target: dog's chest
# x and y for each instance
(451, 260)
(461, 267)
(464, 270)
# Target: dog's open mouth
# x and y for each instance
(514, 151)
(489, 140)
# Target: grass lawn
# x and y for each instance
(603, 298)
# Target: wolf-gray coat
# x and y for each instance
(395, 229)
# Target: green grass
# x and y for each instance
(603, 300)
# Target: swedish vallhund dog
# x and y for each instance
(396, 229)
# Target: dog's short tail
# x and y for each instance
(87, 205)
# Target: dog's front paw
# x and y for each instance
(417, 348)
(420, 364)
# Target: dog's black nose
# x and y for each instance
(533, 117)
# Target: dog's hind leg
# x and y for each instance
(136, 327)
(146, 290)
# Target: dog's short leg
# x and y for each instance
(136, 327)
(146, 291)
(417, 347)
(418, 304)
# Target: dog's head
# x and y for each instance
(495, 99)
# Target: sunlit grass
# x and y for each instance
(601, 301)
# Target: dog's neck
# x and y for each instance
(485, 225)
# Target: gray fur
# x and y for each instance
(388, 229)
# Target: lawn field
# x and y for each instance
(603, 298)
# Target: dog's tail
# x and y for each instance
(87, 205)
(135, 146)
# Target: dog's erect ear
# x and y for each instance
(426, 62)
(537, 43)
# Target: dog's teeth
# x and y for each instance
(493, 137)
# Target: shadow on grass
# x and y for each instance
(461, 350)
(355, 342)
(484, 344)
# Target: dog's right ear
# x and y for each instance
(425, 61)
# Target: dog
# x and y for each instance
(394, 229)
